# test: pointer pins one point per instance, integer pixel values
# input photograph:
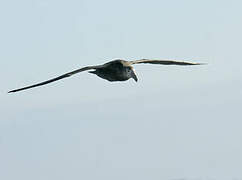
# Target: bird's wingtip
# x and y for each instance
(12, 91)
(200, 63)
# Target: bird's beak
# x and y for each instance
(134, 76)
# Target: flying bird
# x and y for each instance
(116, 70)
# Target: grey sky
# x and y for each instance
(176, 122)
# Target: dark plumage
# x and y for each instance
(117, 70)
(112, 71)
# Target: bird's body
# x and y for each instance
(116, 70)
(112, 71)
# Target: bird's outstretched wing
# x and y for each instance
(163, 62)
(57, 78)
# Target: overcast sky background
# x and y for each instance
(176, 122)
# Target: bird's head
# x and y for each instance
(131, 73)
